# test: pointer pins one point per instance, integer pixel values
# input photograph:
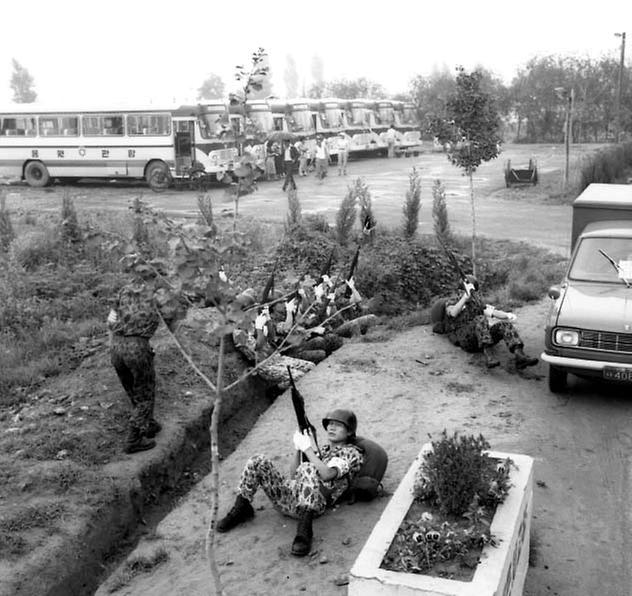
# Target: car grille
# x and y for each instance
(606, 340)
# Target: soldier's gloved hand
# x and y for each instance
(327, 280)
(112, 317)
(489, 311)
(469, 288)
(260, 321)
(291, 306)
(510, 316)
(302, 441)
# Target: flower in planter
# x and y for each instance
(456, 489)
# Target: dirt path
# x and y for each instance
(403, 388)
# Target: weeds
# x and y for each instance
(345, 218)
(6, 227)
(294, 217)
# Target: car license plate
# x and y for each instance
(617, 374)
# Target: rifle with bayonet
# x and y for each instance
(299, 409)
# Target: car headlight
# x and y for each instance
(566, 337)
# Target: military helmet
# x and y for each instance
(346, 417)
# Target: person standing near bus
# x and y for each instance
(391, 137)
(342, 145)
(322, 159)
(290, 159)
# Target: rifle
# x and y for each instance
(474, 297)
(265, 296)
(299, 409)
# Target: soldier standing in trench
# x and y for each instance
(132, 322)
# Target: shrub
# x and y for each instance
(6, 228)
(345, 218)
(412, 204)
(35, 248)
(457, 473)
(440, 213)
(367, 218)
(607, 165)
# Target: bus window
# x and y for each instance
(102, 125)
(278, 122)
(148, 124)
(57, 126)
(18, 126)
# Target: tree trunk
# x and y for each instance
(213, 430)
(473, 223)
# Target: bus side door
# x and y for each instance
(184, 145)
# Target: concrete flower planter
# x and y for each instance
(502, 569)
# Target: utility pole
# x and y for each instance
(617, 129)
(568, 133)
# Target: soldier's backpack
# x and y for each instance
(437, 313)
(367, 483)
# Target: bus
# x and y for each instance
(39, 144)
(359, 122)
(407, 123)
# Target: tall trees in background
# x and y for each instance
(290, 76)
(22, 84)
(212, 88)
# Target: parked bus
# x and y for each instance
(359, 122)
(38, 144)
(407, 122)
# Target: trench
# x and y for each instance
(139, 512)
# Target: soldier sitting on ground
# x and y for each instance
(475, 326)
(315, 485)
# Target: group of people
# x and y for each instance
(284, 159)
(319, 476)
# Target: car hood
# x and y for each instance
(605, 307)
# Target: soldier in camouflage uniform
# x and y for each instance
(470, 325)
(316, 484)
(132, 322)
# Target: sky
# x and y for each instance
(138, 51)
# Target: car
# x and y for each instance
(589, 324)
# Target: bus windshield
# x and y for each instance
(359, 116)
(300, 121)
(387, 114)
(258, 122)
(334, 117)
(215, 126)
(409, 116)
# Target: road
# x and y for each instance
(500, 212)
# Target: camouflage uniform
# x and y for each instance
(132, 355)
(305, 490)
(471, 330)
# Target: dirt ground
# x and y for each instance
(404, 388)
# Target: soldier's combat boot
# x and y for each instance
(241, 511)
(303, 541)
(522, 360)
(154, 428)
(137, 442)
(490, 358)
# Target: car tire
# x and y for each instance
(557, 379)
(36, 174)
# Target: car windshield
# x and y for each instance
(603, 260)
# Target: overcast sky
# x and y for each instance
(137, 50)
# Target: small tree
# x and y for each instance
(69, 228)
(440, 213)
(345, 218)
(22, 84)
(470, 129)
(367, 219)
(294, 216)
(413, 204)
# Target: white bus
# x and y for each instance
(39, 144)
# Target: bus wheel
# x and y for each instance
(158, 176)
(36, 174)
